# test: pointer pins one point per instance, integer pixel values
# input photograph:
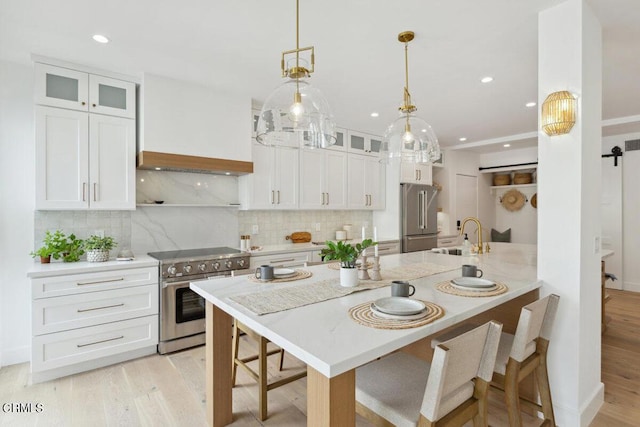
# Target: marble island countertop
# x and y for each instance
(326, 338)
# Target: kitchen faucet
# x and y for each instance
(477, 221)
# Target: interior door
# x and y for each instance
(611, 211)
(466, 200)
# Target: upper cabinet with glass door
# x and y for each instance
(76, 90)
(362, 143)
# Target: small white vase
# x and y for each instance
(348, 277)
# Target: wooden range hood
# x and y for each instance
(182, 163)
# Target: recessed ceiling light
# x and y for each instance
(424, 130)
(158, 169)
(462, 139)
(100, 38)
(530, 104)
(507, 145)
(227, 173)
(141, 179)
(486, 79)
(374, 114)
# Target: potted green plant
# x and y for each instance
(53, 246)
(73, 249)
(98, 248)
(347, 254)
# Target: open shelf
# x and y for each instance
(498, 187)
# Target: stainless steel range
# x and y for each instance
(182, 311)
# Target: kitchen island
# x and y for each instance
(332, 344)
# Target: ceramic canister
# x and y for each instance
(348, 228)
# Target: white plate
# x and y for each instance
(383, 315)
(469, 289)
(400, 306)
(473, 282)
(281, 273)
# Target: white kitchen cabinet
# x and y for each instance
(77, 90)
(274, 181)
(366, 185)
(363, 143)
(290, 259)
(84, 161)
(323, 179)
(416, 173)
(89, 320)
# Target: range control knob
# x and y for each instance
(216, 265)
(241, 262)
(187, 269)
(172, 270)
(228, 263)
(202, 267)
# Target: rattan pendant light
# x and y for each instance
(296, 114)
(409, 138)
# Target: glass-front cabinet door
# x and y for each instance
(112, 97)
(61, 87)
(341, 140)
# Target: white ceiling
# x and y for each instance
(236, 44)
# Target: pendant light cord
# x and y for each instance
(297, 46)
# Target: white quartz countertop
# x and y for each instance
(63, 268)
(324, 336)
(303, 247)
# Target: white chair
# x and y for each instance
(403, 390)
(524, 354)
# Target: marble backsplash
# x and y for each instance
(186, 188)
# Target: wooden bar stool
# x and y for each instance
(260, 376)
(524, 354)
(403, 390)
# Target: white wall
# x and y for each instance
(509, 157)
(17, 193)
(626, 245)
(523, 223)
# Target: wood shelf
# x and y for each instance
(493, 188)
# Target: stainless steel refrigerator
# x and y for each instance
(418, 213)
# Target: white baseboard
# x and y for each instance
(16, 355)
(580, 417)
(630, 286)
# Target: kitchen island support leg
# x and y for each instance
(218, 367)
(331, 402)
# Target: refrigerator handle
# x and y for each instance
(425, 210)
(421, 212)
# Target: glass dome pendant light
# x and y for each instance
(409, 138)
(296, 114)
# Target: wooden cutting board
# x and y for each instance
(299, 237)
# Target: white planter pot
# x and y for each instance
(348, 277)
(97, 256)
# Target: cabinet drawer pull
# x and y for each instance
(446, 241)
(327, 198)
(83, 103)
(100, 281)
(99, 342)
(383, 249)
(278, 196)
(100, 308)
(273, 198)
(94, 191)
(84, 191)
(94, 105)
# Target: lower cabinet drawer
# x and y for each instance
(80, 345)
(93, 308)
(386, 249)
(295, 259)
(54, 286)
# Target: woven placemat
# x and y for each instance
(362, 314)
(300, 274)
(447, 288)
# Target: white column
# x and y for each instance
(569, 181)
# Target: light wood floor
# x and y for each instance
(169, 390)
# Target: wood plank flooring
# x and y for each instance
(169, 390)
